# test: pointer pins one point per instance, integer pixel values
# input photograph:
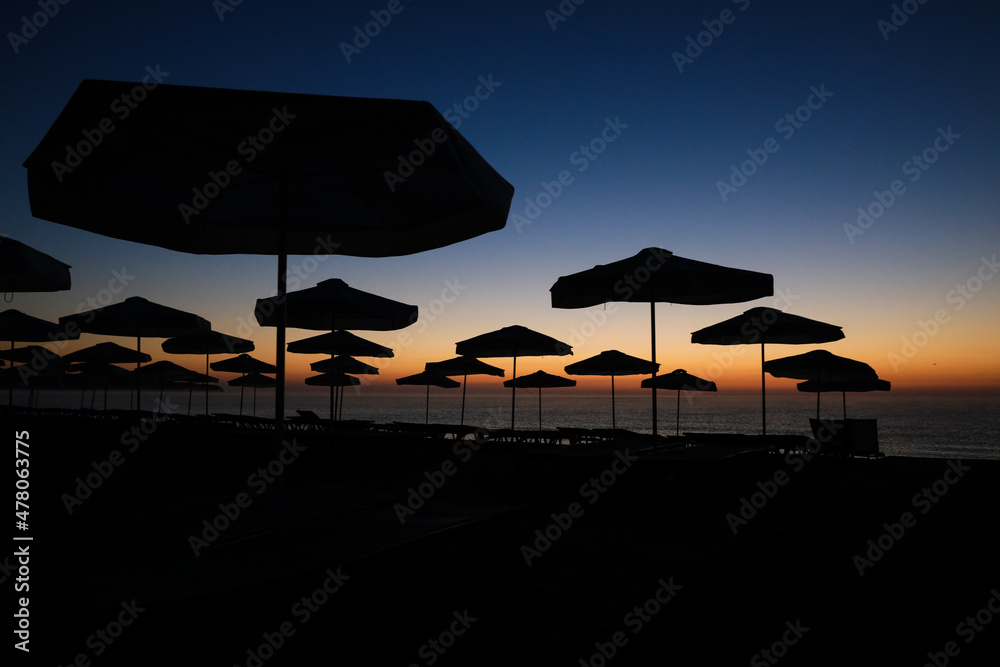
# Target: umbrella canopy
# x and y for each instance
(514, 341)
(340, 342)
(16, 326)
(332, 380)
(106, 353)
(464, 366)
(820, 365)
(428, 378)
(767, 325)
(167, 371)
(254, 380)
(333, 304)
(656, 275)
(332, 180)
(31, 353)
(24, 269)
(343, 364)
(244, 363)
(843, 386)
(207, 343)
(539, 379)
(679, 379)
(613, 362)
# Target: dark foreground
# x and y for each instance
(515, 558)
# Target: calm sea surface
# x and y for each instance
(908, 425)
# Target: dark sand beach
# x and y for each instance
(635, 560)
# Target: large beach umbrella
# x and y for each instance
(96, 362)
(244, 364)
(333, 175)
(24, 269)
(843, 386)
(514, 341)
(656, 275)
(541, 380)
(333, 304)
(207, 343)
(613, 362)
(428, 379)
(254, 380)
(16, 326)
(767, 325)
(138, 318)
(464, 366)
(679, 379)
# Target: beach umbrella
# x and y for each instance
(332, 180)
(656, 275)
(254, 380)
(244, 364)
(102, 356)
(679, 379)
(37, 363)
(342, 364)
(428, 379)
(822, 366)
(207, 343)
(167, 372)
(767, 325)
(333, 304)
(843, 386)
(464, 366)
(339, 342)
(105, 373)
(333, 380)
(613, 362)
(24, 269)
(541, 380)
(139, 318)
(514, 341)
(16, 326)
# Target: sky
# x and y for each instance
(848, 149)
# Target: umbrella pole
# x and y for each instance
(10, 387)
(279, 394)
(652, 337)
(340, 409)
(843, 395)
(512, 390)
(539, 408)
(190, 396)
(614, 424)
(817, 405)
(241, 396)
(254, 404)
(465, 378)
(763, 400)
(206, 386)
(138, 382)
(427, 406)
(677, 427)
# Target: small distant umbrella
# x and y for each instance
(139, 318)
(679, 379)
(342, 364)
(92, 360)
(43, 363)
(464, 366)
(16, 326)
(428, 379)
(514, 341)
(767, 325)
(24, 269)
(254, 380)
(843, 387)
(340, 342)
(207, 343)
(613, 362)
(540, 379)
(103, 372)
(166, 372)
(244, 363)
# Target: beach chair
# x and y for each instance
(847, 437)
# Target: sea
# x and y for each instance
(917, 425)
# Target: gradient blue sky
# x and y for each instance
(655, 185)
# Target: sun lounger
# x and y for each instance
(847, 437)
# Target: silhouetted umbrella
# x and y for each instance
(514, 341)
(332, 179)
(428, 379)
(254, 380)
(767, 325)
(24, 269)
(339, 342)
(657, 275)
(103, 373)
(464, 366)
(333, 304)
(102, 356)
(167, 372)
(244, 363)
(613, 362)
(207, 343)
(139, 318)
(539, 379)
(679, 379)
(16, 326)
(843, 386)
(822, 366)
(342, 364)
